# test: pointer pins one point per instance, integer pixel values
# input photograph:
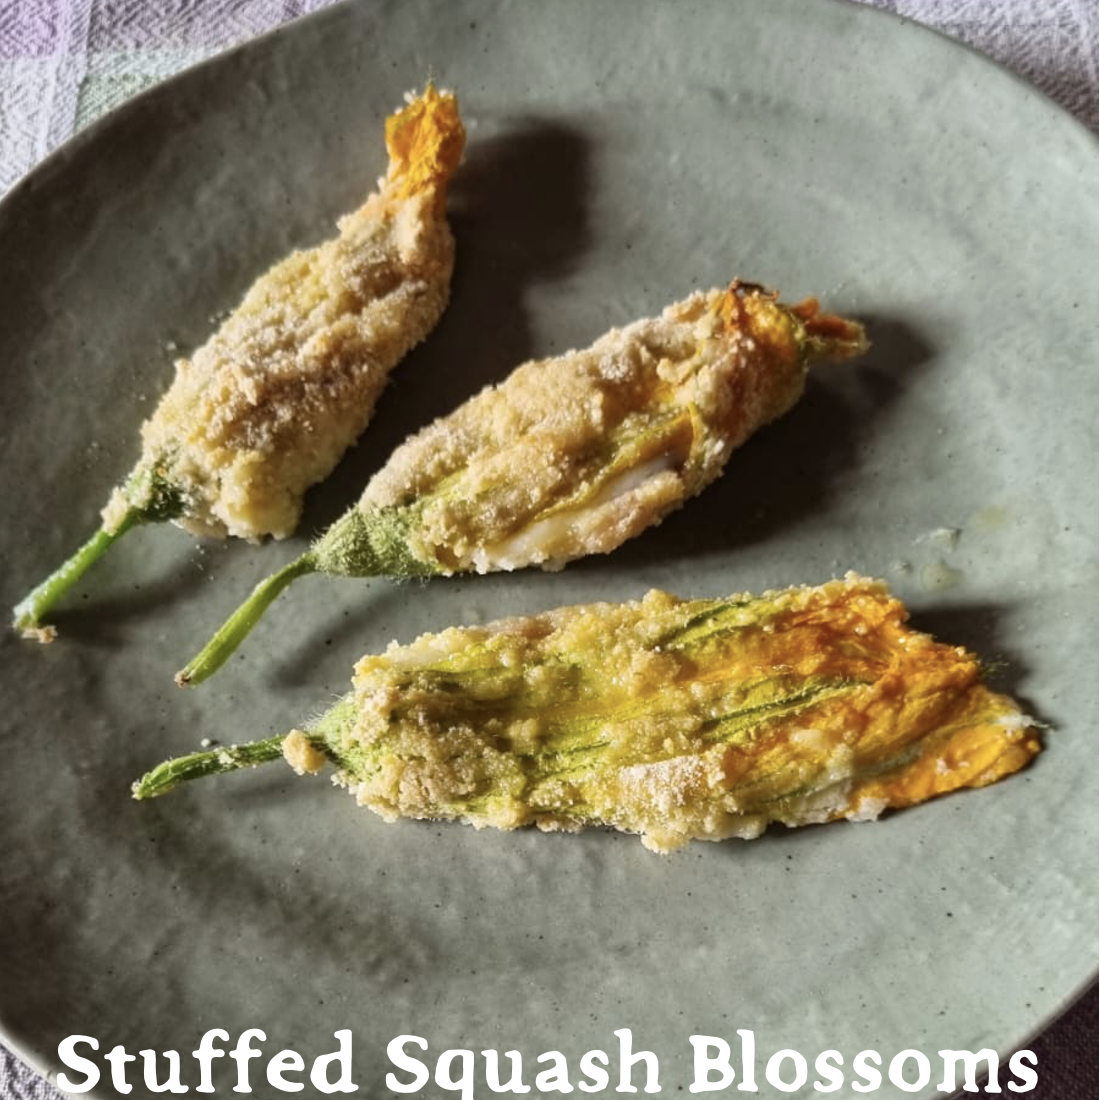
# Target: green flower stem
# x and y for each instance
(357, 545)
(148, 497)
(234, 630)
(169, 775)
(326, 733)
(34, 607)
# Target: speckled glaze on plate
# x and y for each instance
(615, 161)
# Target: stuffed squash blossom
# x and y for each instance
(673, 719)
(266, 407)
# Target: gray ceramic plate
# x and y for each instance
(614, 163)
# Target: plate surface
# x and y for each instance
(613, 164)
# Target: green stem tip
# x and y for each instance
(169, 775)
(234, 630)
(37, 604)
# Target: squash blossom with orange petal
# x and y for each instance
(267, 406)
(673, 719)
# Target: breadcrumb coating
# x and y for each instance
(677, 719)
(267, 406)
(673, 719)
(574, 455)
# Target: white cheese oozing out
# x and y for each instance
(547, 539)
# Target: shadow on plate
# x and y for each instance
(108, 600)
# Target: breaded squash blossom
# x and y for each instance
(673, 719)
(267, 406)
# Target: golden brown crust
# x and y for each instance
(679, 719)
(268, 405)
(574, 455)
